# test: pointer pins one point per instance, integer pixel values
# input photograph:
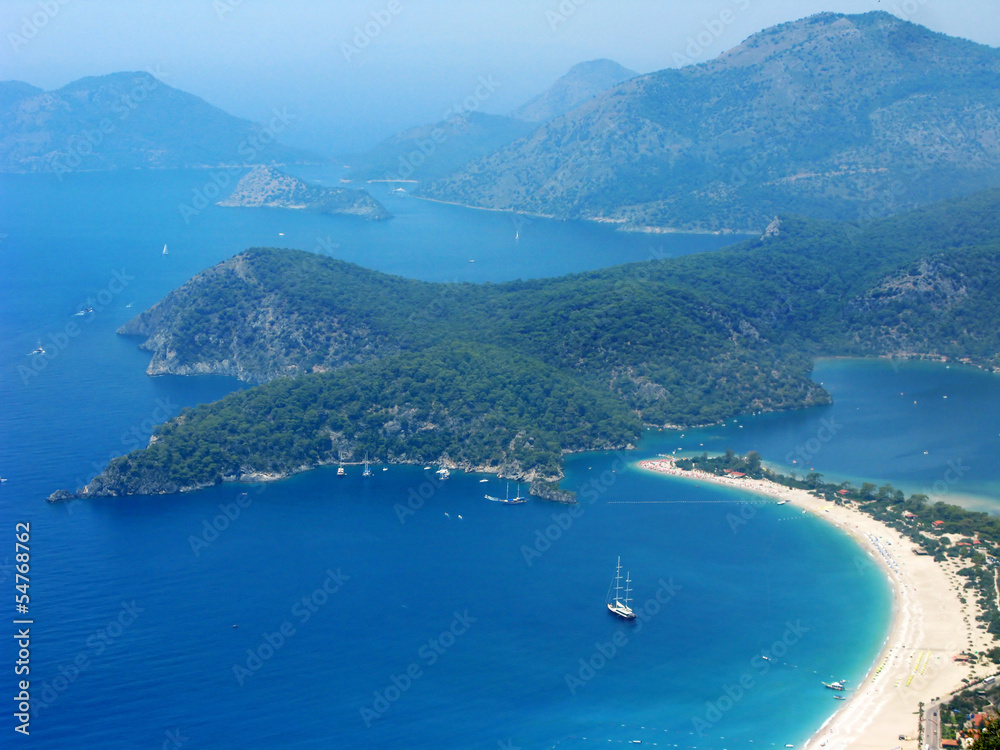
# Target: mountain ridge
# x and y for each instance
(580, 83)
(832, 116)
(129, 120)
(430, 151)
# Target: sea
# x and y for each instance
(400, 610)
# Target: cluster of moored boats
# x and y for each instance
(342, 472)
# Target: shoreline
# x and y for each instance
(929, 625)
(620, 225)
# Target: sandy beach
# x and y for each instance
(930, 626)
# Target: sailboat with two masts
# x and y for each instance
(618, 605)
(508, 500)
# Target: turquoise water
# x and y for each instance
(461, 624)
(922, 426)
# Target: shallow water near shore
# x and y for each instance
(455, 621)
(924, 427)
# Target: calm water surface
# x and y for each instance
(461, 623)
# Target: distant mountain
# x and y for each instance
(583, 81)
(266, 187)
(836, 116)
(427, 152)
(128, 121)
(11, 92)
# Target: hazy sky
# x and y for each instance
(354, 71)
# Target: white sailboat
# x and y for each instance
(165, 251)
(618, 605)
(508, 500)
(367, 472)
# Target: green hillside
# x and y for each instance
(510, 376)
(833, 116)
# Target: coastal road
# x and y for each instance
(932, 726)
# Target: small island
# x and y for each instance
(266, 187)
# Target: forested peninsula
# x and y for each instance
(509, 377)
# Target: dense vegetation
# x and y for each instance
(886, 503)
(957, 716)
(463, 405)
(684, 341)
(834, 116)
(930, 526)
(272, 188)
